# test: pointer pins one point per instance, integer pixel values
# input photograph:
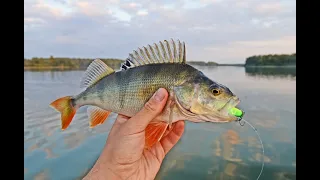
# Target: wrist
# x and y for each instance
(101, 171)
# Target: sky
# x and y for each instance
(223, 31)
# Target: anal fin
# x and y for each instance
(97, 115)
(154, 132)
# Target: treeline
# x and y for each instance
(82, 63)
(66, 63)
(231, 65)
(272, 60)
(202, 63)
(211, 63)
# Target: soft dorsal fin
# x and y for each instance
(95, 71)
(162, 52)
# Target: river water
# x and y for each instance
(206, 151)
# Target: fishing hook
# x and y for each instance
(240, 118)
(243, 122)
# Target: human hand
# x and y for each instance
(124, 156)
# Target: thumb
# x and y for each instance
(150, 110)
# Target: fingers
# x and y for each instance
(173, 136)
(121, 119)
(150, 110)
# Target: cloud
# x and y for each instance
(274, 7)
(142, 13)
(224, 31)
(243, 49)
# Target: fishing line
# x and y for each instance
(239, 120)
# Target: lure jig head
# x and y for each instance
(239, 114)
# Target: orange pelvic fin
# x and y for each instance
(97, 115)
(154, 133)
(64, 106)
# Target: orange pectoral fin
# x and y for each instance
(154, 133)
(97, 116)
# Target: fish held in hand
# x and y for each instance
(192, 95)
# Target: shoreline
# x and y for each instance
(68, 68)
(284, 66)
(48, 67)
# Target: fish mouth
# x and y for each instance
(223, 115)
(233, 102)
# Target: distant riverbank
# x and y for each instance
(50, 68)
(61, 63)
(272, 60)
(283, 66)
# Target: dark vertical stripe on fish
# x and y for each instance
(120, 82)
(124, 82)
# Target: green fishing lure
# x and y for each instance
(236, 112)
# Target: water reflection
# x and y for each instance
(41, 175)
(206, 151)
(232, 158)
(271, 72)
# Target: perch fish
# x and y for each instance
(192, 95)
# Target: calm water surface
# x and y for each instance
(206, 151)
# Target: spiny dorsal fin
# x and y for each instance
(162, 52)
(95, 71)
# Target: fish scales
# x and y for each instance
(126, 92)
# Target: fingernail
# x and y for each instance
(159, 96)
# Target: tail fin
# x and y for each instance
(65, 107)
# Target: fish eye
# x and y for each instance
(215, 92)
